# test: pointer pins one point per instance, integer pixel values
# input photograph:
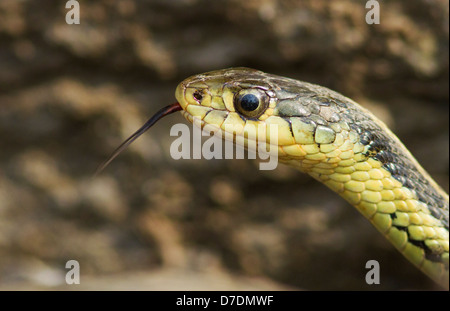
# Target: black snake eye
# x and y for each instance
(197, 95)
(251, 103)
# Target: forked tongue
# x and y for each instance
(156, 117)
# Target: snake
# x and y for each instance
(333, 139)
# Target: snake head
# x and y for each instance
(237, 102)
(248, 104)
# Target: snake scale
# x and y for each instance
(337, 142)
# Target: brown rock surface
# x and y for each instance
(69, 94)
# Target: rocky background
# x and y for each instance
(69, 94)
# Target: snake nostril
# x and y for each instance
(197, 95)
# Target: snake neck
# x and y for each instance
(373, 171)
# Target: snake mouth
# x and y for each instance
(238, 137)
(202, 124)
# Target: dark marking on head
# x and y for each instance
(288, 120)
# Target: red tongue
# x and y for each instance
(157, 116)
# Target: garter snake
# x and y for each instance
(337, 142)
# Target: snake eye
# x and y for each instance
(251, 102)
(198, 96)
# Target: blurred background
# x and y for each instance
(70, 94)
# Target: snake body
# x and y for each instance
(337, 142)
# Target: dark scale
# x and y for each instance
(385, 157)
(366, 137)
(323, 101)
(428, 252)
(390, 165)
(288, 120)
